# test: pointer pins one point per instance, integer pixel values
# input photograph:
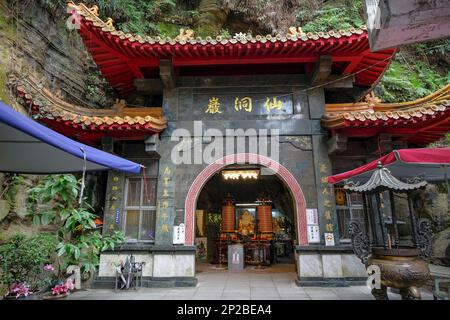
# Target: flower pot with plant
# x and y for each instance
(61, 289)
(24, 263)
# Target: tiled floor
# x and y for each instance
(266, 284)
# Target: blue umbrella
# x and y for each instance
(29, 147)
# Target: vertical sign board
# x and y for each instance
(312, 217)
(179, 234)
(117, 216)
(312, 221)
(313, 234)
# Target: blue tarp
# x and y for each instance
(29, 147)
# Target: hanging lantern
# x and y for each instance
(340, 197)
(264, 215)
(228, 215)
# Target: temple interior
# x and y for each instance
(263, 245)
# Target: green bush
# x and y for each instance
(22, 260)
(55, 200)
(405, 81)
(340, 15)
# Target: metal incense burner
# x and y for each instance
(402, 263)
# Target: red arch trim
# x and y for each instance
(281, 171)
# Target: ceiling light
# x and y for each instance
(244, 174)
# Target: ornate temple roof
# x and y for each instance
(88, 124)
(123, 57)
(421, 121)
(382, 180)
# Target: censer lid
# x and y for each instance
(382, 180)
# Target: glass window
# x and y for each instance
(348, 209)
(140, 209)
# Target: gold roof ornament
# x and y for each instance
(371, 99)
(294, 31)
(94, 10)
(186, 35)
(109, 23)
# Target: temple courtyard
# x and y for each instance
(252, 284)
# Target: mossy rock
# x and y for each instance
(166, 29)
(441, 247)
(7, 28)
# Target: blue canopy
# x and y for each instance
(29, 147)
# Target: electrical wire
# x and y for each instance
(80, 202)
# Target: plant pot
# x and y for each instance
(50, 296)
(4, 209)
(33, 296)
(401, 268)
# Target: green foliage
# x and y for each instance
(22, 260)
(10, 187)
(4, 97)
(54, 200)
(52, 5)
(7, 28)
(139, 16)
(168, 29)
(333, 16)
(405, 82)
(225, 34)
(444, 142)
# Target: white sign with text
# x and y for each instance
(179, 234)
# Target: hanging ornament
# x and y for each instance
(340, 197)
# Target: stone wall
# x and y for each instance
(35, 43)
(45, 49)
(434, 203)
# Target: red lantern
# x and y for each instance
(264, 212)
(228, 215)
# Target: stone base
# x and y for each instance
(148, 282)
(330, 282)
(329, 266)
(165, 266)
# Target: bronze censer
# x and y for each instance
(396, 246)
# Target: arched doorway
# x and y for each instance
(247, 158)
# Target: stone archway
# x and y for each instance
(282, 173)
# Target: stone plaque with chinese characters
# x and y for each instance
(165, 207)
(231, 105)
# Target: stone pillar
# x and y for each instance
(322, 169)
(325, 191)
(165, 206)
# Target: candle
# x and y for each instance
(389, 241)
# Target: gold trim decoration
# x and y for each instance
(338, 114)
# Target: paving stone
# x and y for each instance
(295, 297)
(325, 298)
(207, 297)
(265, 298)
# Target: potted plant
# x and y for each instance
(61, 289)
(18, 291)
(25, 265)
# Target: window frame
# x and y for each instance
(350, 207)
(139, 208)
